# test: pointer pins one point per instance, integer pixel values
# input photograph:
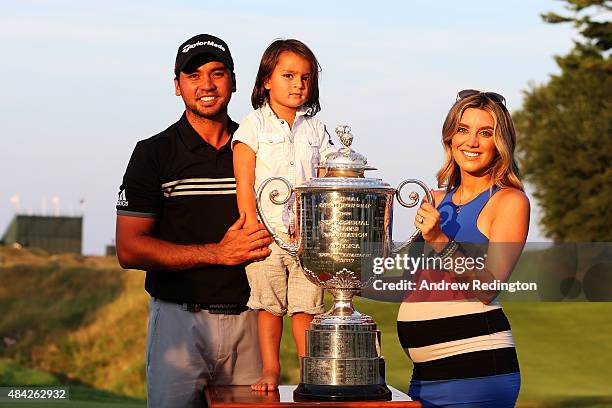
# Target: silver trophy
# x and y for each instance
(343, 221)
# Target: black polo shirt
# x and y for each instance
(189, 188)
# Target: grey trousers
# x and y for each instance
(187, 351)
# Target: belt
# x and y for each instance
(215, 308)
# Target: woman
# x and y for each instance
(461, 343)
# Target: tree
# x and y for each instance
(565, 145)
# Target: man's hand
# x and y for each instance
(138, 249)
(240, 244)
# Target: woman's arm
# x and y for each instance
(507, 235)
(508, 232)
(510, 221)
(244, 171)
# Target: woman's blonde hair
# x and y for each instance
(503, 168)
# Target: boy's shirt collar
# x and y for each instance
(302, 111)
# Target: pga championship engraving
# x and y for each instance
(343, 222)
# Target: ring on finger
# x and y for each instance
(420, 219)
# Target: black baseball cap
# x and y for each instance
(203, 45)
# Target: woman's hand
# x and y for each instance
(427, 221)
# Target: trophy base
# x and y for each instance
(370, 392)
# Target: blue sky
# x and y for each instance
(82, 82)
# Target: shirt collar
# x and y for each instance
(193, 140)
(302, 111)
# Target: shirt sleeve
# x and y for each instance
(247, 133)
(140, 194)
(325, 143)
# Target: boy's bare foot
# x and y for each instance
(268, 382)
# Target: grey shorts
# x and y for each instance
(279, 286)
(187, 351)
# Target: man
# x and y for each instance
(177, 219)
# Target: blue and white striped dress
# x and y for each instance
(463, 351)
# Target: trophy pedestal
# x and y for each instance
(343, 361)
(309, 392)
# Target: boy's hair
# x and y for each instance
(270, 58)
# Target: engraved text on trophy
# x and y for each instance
(343, 230)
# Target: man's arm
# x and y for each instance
(137, 249)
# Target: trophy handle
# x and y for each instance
(291, 249)
(414, 197)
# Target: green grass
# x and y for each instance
(565, 349)
(12, 374)
(87, 324)
(44, 300)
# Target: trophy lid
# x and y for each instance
(345, 162)
(345, 167)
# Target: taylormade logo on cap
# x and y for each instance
(188, 47)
